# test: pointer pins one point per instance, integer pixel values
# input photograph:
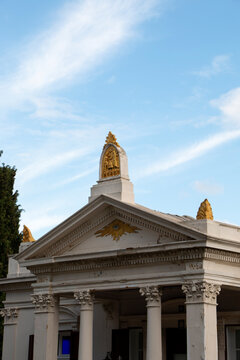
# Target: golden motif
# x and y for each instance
(27, 235)
(110, 162)
(205, 211)
(116, 229)
(111, 139)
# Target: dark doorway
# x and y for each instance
(127, 344)
(176, 344)
(120, 344)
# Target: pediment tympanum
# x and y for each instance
(106, 224)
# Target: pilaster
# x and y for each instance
(45, 326)
(10, 315)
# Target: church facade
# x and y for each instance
(120, 281)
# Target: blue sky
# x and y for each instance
(162, 75)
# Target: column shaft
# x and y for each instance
(201, 320)
(154, 324)
(86, 334)
(85, 300)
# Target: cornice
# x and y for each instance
(16, 284)
(138, 259)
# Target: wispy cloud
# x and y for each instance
(220, 63)
(208, 187)
(42, 218)
(61, 147)
(49, 163)
(49, 107)
(84, 34)
(192, 152)
(78, 176)
(229, 106)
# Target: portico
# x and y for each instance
(198, 320)
(123, 279)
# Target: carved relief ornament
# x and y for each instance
(110, 162)
(84, 297)
(201, 292)
(116, 229)
(9, 313)
(152, 294)
(43, 301)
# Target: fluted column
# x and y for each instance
(85, 299)
(154, 323)
(201, 310)
(10, 316)
(45, 327)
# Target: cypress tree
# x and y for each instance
(10, 212)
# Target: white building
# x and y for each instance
(120, 278)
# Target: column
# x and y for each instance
(154, 326)
(85, 299)
(10, 316)
(45, 327)
(201, 311)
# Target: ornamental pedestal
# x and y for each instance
(10, 316)
(85, 300)
(201, 313)
(45, 327)
(154, 326)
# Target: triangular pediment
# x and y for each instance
(108, 224)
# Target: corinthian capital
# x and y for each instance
(43, 302)
(201, 292)
(84, 297)
(9, 314)
(151, 293)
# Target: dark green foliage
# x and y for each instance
(10, 212)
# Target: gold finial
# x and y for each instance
(27, 235)
(205, 211)
(111, 139)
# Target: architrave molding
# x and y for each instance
(128, 260)
(17, 286)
